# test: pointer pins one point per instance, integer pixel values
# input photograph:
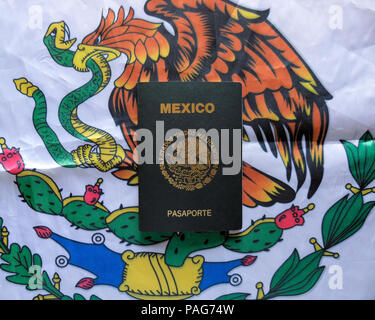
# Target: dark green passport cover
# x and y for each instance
(181, 198)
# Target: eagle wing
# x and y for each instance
(284, 102)
(217, 40)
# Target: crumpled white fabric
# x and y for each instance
(341, 55)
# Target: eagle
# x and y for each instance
(284, 103)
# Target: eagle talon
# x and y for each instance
(89, 156)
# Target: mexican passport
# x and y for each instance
(190, 156)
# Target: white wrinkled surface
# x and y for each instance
(344, 61)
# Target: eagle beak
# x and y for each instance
(85, 52)
(60, 30)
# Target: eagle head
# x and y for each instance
(125, 34)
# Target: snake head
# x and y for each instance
(59, 34)
(57, 40)
(11, 159)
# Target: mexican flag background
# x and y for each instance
(69, 223)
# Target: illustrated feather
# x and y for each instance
(218, 40)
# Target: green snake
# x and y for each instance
(86, 58)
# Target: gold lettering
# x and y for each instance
(165, 108)
(210, 107)
(185, 107)
(199, 107)
(189, 213)
(176, 107)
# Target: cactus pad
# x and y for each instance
(260, 236)
(85, 216)
(183, 244)
(124, 223)
(39, 192)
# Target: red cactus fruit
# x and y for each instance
(85, 283)
(43, 232)
(248, 260)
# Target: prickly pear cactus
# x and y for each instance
(124, 223)
(260, 236)
(183, 244)
(86, 212)
(39, 192)
(83, 215)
